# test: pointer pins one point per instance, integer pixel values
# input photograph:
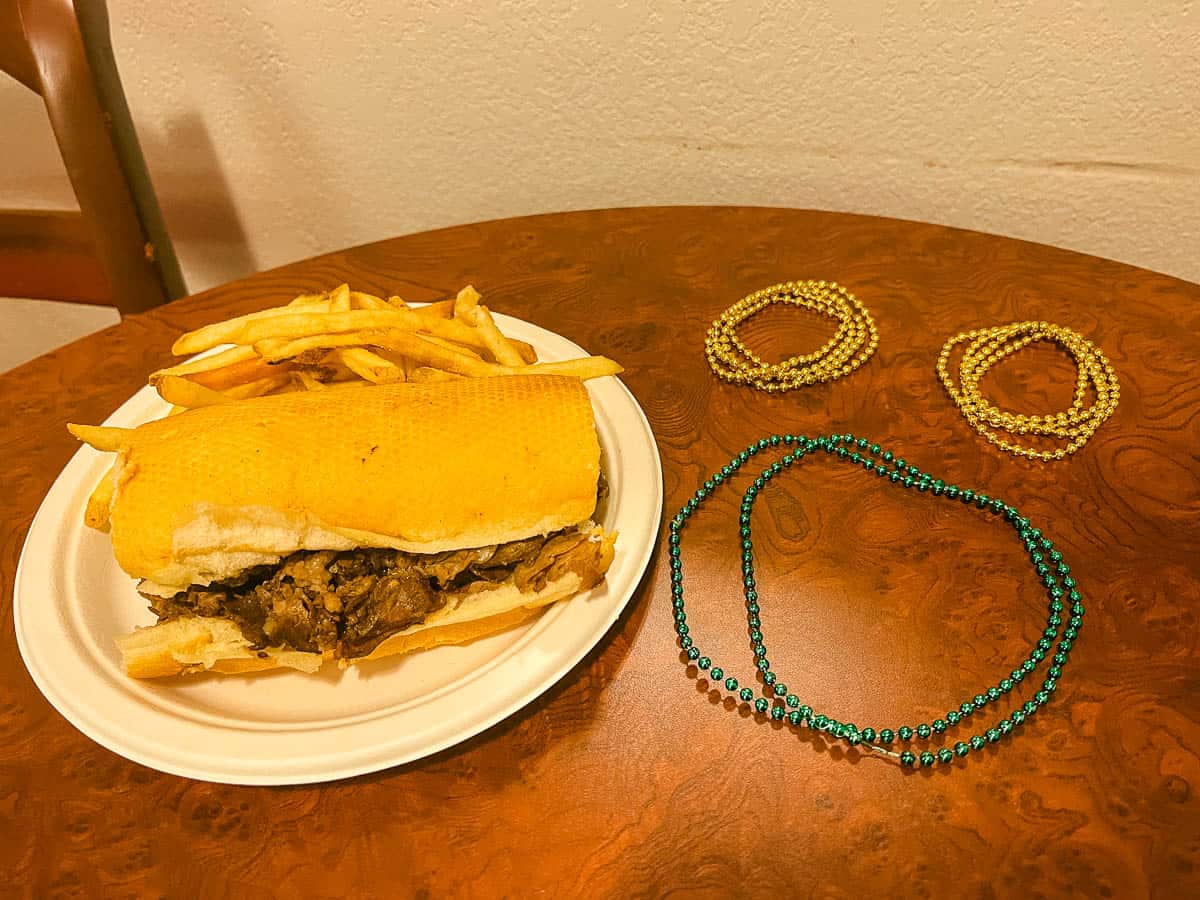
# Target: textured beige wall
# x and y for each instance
(279, 130)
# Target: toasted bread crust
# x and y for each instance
(418, 467)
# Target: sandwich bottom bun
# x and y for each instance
(195, 644)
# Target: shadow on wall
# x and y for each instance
(196, 202)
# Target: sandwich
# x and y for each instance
(352, 524)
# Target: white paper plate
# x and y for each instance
(71, 601)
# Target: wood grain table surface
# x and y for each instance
(881, 606)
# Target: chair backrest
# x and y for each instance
(61, 49)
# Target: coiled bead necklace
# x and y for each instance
(988, 346)
(780, 704)
(851, 346)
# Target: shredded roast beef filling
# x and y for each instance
(351, 601)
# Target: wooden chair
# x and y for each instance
(115, 250)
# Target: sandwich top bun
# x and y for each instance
(203, 495)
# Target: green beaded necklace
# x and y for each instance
(1054, 572)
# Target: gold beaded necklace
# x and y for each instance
(852, 345)
(990, 345)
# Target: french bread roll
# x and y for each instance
(202, 498)
(417, 467)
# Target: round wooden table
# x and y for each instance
(881, 606)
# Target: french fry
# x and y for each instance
(339, 299)
(371, 366)
(439, 309)
(184, 392)
(451, 345)
(583, 368)
(277, 350)
(426, 375)
(228, 377)
(528, 354)
(306, 325)
(229, 357)
(466, 302)
(360, 300)
(468, 308)
(414, 347)
(502, 349)
(102, 437)
(307, 381)
(309, 299)
(427, 353)
(398, 302)
(96, 513)
(225, 332)
(258, 387)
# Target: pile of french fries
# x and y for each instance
(324, 341)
